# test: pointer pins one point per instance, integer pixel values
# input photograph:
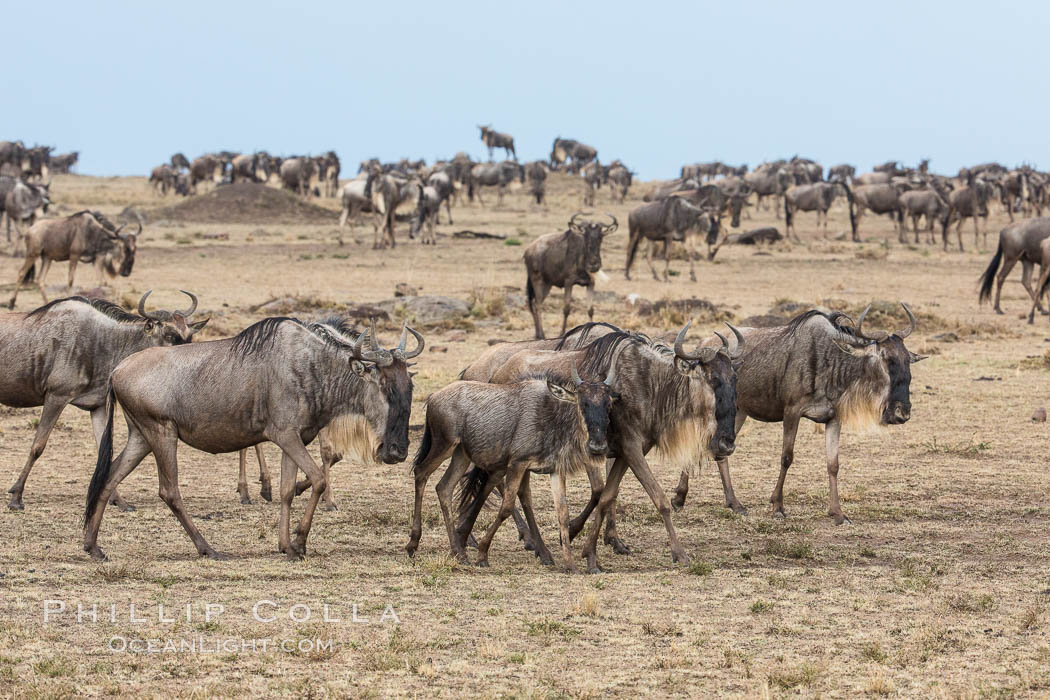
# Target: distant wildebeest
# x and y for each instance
(250, 168)
(619, 178)
(664, 190)
(1017, 242)
(1043, 285)
(79, 237)
(36, 162)
(876, 178)
(425, 217)
(389, 192)
(64, 352)
(879, 199)
(445, 188)
(22, 203)
(769, 182)
(592, 179)
(180, 162)
(536, 175)
(841, 173)
(494, 139)
(328, 168)
(206, 168)
(926, 202)
(356, 197)
(671, 219)
(162, 178)
(498, 175)
(510, 429)
(226, 395)
(572, 257)
(13, 152)
(819, 367)
(295, 175)
(63, 162)
(818, 197)
(571, 153)
(969, 201)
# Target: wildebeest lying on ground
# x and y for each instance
(1020, 241)
(226, 395)
(64, 352)
(79, 237)
(821, 367)
(537, 425)
(665, 221)
(564, 260)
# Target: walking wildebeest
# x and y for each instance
(879, 199)
(445, 188)
(356, 196)
(769, 182)
(592, 179)
(77, 238)
(822, 368)
(494, 139)
(818, 197)
(970, 201)
(925, 202)
(1043, 285)
(1020, 241)
(63, 162)
(21, 204)
(620, 179)
(498, 175)
(279, 380)
(63, 353)
(536, 174)
(427, 208)
(572, 153)
(162, 178)
(538, 425)
(564, 260)
(205, 168)
(671, 219)
(389, 192)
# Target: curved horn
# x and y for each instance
(115, 234)
(404, 337)
(572, 221)
(911, 323)
(679, 350)
(860, 327)
(725, 343)
(193, 304)
(142, 308)
(576, 380)
(740, 342)
(374, 336)
(611, 227)
(419, 340)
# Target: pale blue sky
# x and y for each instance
(655, 84)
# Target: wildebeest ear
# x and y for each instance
(150, 325)
(358, 367)
(559, 392)
(916, 358)
(198, 326)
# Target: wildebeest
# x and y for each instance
(509, 429)
(328, 168)
(817, 197)
(445, 188)
(425, 217)
(841, 173)
(820, 367)
(388, 192)
(494, 139)
(592, 179)
(1043, 285)
(926, 202)
(205, 168)
(564, 260)
(162, 178)
(79, 237)
(180, 162)
(619, 179)
(63, 162)
(879, 199)
(498, 175)
(295, 175)
(769, 182)
(1017, 242)
(62, 353)
(536, 175)
(226, 395)
(21, 204)
(250, 168)
(671, 219)
(970, 201)
(572, 153)
(356, 196)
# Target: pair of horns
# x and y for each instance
(163, 315)
(707, 354)
(382, 357)
(610, 376)
(882, 335)
(606, 228)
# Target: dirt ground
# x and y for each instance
(939, 587)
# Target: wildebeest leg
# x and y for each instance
(681, 491)
(27, 265)
(242, 477)
(439, 451)
(566, 307)
(1008, 264)
(512, 483)
(831, 442)
(329, 457)
(590, 302)
(976, 233)
(597, 480)
(641, 469)
(264, 474)
(466, 520)
(445, 487)
(786, 457)
(958, 232)
(72, 271)
(45, 265)
(129, 458)
(343, 216)
(608, 498)
(1026, 280)
(525, 496)
(296, 454)
(561, 507)
(648, 257)
(165, 447)
(524, 534)
(53, 406)
(690, 251)
(540, 289)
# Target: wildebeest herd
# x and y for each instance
(597, 398)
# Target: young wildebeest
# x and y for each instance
(664, 221)
(926, 202)
(425, 217)
(1020, 241)
(80, 237)
(819, 367)
(510, 429)
(494, 139)
(278, 380)
(564, 260)
(619, 179)
(592, 179)
(817, 197)
(64, 352)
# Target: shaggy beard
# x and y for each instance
(351, 435)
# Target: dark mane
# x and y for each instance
(598, 355)
(82, 211)
(104, 307)
(836, 318)
(580, 333)
(259, 336)
(342, 324)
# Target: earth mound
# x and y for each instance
(245, 203)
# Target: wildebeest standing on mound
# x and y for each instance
(64, 352)
(1020, 241)
(279, 380)
(77, 238)
(564, 260)
(822, 368)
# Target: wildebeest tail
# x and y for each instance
(632, 249)
(988, 278)
(102, 466)
(852, 213)
(470, 488)
(787, 213)
(424, 446)
(30, 275)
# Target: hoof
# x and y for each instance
(124, 506)
(483, 563)
(97, 554)
(245, 501)
(595, 569)
(842, 520)
(330, 506)
(410, 549)
(215, 556)
(680, 558)
(780, 515)
(618, 546)
(545, 558)
(16, 505)
(678, 503)
(294, 556)
(738, 509)
(266, 494)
